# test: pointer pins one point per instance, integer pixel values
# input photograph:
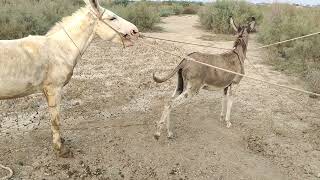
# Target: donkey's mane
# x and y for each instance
(67, 20)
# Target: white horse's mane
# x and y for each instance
(68, 19)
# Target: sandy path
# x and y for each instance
(271, 137)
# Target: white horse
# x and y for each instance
(45, 63)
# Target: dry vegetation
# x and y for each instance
(276, 23)
(300, 57)
(215, 16)
(20, 18)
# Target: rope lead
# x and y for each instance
(10, 172)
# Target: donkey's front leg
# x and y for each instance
(224, 104)
(53, 95)
(229, 105)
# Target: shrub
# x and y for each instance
(121, 2)
(144, 16)
(20, 18)
(177, 9)
(165, 11)
(191, 9)
(215, 16)
(302, 56)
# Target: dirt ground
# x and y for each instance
(111, 105)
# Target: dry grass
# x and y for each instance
(300, 57)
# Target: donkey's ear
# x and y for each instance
(233, 25)
(252, 23)
(95, 5)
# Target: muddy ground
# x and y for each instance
(110, 107)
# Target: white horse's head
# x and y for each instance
(112, 27)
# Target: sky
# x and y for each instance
(303, 2)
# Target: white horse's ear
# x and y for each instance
(95, 5)
(233, 25)
(87, 2)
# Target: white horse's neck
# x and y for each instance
(74, 34)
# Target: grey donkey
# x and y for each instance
(193, 76)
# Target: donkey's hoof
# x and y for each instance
(62, 140)
(156, 136)
(65, 152)
(170, 135)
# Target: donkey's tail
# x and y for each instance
(168, 76)
(8, 169)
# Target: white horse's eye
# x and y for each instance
(112, 18)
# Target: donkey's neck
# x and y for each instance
(241, 49)
(74, 34)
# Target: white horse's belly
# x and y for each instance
(15, 89)
(22, 71)
(18, 84)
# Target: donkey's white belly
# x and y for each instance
(212, 88)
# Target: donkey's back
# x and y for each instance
(23, 65)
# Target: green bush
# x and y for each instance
(191, 9)
(177, 9)
(20, 18)
(166, 11)
(302, 56)
(215, 16)
(142, 14)
(121, 2)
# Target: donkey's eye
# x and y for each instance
(112, 18)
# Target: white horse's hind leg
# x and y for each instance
(229, 105)
(53, 96)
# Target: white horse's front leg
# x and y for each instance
(53, 96)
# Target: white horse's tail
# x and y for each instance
(8, 169)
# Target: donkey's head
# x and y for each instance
(242, 32)
(112, 27)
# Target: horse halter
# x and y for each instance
(101, 20)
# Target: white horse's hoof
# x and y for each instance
(228, 124)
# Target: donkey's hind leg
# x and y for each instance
(174, 102)
(53, 96)
(180, 85)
